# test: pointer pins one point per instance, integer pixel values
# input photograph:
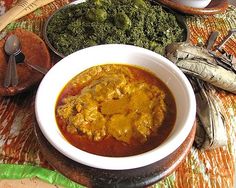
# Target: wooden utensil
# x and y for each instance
(22, 8)
(9, 16)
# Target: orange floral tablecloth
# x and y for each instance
(213, 168)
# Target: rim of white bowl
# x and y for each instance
(102, 162)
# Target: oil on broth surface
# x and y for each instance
(115, 110)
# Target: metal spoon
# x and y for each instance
(37, 68)
(12, 48)
(20, 58)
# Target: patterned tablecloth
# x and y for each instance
(213, 168)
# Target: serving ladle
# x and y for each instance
(12, 48)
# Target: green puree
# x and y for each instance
(134, 22)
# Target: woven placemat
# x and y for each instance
(213, 168)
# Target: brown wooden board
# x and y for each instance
(94, 177)
(35, 51)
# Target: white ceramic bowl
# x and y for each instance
(194, 3)
(70, 66)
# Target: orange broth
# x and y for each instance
(109, 146)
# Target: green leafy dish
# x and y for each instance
(93, 22)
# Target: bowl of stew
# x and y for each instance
(115, 106)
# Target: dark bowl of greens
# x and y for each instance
(88, 23)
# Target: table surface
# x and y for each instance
(207, 156)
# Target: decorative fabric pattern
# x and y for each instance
(213, 168)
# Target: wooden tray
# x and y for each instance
(215, 7)
(35, 51)
(93, 177)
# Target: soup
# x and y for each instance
(115, 110)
